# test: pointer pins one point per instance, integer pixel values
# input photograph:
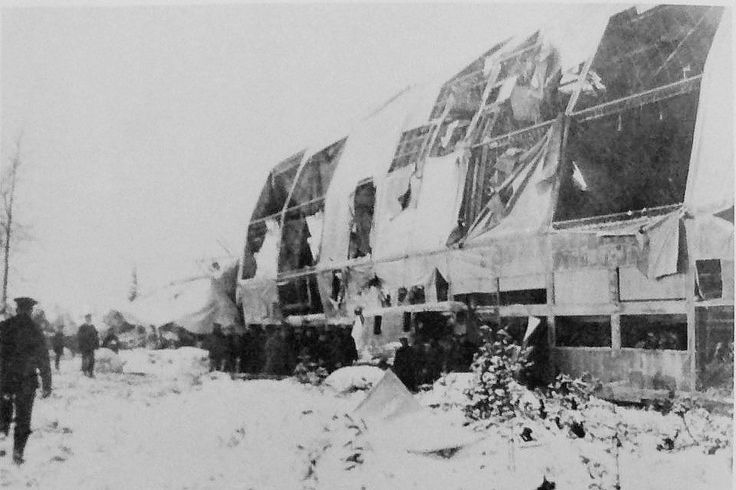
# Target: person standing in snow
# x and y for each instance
(276, 353)
(23, 354)
(404, 365)
(216, 344)
(88, 340)
(349, 351)
(57, 343)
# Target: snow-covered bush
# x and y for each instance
(495, 368)
(106, 361)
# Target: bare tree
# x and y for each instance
(133, 289)
(8, 225)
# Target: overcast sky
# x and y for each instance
(148, 131)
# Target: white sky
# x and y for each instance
(148, 131)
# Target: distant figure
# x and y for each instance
(216, 344)
(349, 350)
(88, 341)
(276, 353)
(57, 343)
(111, 341)
(404, 365)
(23, 354)
(232, 349)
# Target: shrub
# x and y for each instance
(496, 368)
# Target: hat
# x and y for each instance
(24, 302)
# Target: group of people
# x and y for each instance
(87, 341)
(426, 360)
(277, 349)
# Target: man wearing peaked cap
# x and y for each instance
(23, 355)
(25, 302)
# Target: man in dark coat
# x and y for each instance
(276, 354)
(88, 341)
(217, 347)
(57, 343)
(23, 353)
(404, 365)
(349, 351)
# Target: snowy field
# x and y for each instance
(181, 428)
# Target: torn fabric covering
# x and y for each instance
(367, 154)
(432, 215)
(260, 295)
(439, 201)
(357, 290)
(523, 203)
(295, 252)
(419, 272)
(422, 101)
(267, 257)
(660, 247)
(390, 220)
(194, 305)
(710, 179)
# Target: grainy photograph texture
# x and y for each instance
(366, 246)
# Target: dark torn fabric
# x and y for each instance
(296, 252)
(526, 104)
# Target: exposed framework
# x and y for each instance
(473, 110)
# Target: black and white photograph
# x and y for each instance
(366, 245)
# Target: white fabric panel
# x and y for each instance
(194, 304)
(367, 154)
(710, 180)
(267, 258)
(440, 196)
(315, 224)
(423, 98)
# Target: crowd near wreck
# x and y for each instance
(583, 205)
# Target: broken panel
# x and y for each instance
(364, 203)
(300, 296)
(663, 45)
(411, 148)
(303, 220)
(268, 209)
(490, 165)
(634, 159)
(277, 187)
(662, 332)
(708, 277)
(583, 331)
(470, 80)
(523, 90)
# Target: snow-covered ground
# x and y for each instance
(179, 427)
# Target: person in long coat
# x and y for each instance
(57, 343)
(276, 354)
(216, 345)
(404, 365)
(23, 354)
(88, 340)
